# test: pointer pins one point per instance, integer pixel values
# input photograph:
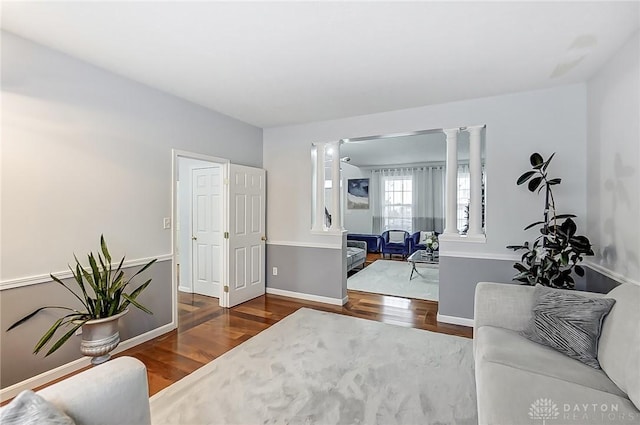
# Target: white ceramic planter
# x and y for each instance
(100, 337)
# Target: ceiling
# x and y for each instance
(402, 150)
(278, 63)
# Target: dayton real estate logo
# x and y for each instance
(543, 409)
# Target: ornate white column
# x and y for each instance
(336, 214)
(319, 223)
(451, 186)
(475, 171)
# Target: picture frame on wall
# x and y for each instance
(358, 194)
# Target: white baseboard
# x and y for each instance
(308, 297)
(453, 320)
(185, 289)
(610, 273)
(65, 369)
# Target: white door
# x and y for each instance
(246, 234)
(207, 230)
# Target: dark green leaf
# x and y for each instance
(579, 271)
(141, 270)
(533, 224)
(571, 227)
(105, 251)
(553, 182)
(547, 162)
(526, 176)
(536, 159)
(515, 247)
(65, 337)
(561, 216)
(520, 267)
(30, 315)
(55, 279)
(534, 183)
(135, 303)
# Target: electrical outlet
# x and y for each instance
(166, 222)
(275, 271)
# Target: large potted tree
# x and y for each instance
(103, 297)
(558, 251)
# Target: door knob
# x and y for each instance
(193, 238)
(264, 238)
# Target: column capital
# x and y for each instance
(451, 132)
(475, 129)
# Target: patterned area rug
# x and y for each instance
(323, 368)
(392, 278)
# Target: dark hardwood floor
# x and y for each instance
(207, 331)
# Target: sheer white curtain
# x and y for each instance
(410, 199)
(428, 199)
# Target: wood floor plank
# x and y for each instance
(207, 331)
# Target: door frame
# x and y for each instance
(224, 163)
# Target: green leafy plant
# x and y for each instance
(557, 252)
(102, 295)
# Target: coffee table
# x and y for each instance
(421, 256)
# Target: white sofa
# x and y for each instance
(114, 393)
(521, 382)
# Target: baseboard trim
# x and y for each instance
(610, 273)
(184, 289)
(308, 297)
(453, 320)
(44, 278)
(65, 369)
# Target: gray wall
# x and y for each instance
(86, 152)
(613, 155)
(307, 270)
(459, 276)
(16, 346)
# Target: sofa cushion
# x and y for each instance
(569, 322)
(619, 349)
(396, 236)
(28, 408)
(509, 348)
(423, 237)
(508, 395)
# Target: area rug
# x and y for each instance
(392, 278)
(322, 368)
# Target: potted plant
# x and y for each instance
(431, 243)
(557, 252)
(103, 297)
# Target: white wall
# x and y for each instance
(546, 121)
(355, 221)
(613, 156)
(86, 152)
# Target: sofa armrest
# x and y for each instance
(115, 392)
(503, 305)
(357, 244)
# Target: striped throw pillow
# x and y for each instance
(568, 322)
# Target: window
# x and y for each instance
(464, 198)
(464, 195)
(398, 200)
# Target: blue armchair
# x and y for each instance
(394, 242)
(414, 242)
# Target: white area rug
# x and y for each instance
(323, 368)
(392, 278)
